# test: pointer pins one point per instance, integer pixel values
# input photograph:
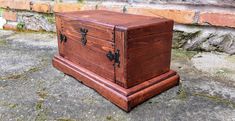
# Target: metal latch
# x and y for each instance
(63, 38)
(114, 57)
(83, 32)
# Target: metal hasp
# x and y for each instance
(83, 32)
(63, 38)
(114, 57)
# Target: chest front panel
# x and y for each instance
(91, 54)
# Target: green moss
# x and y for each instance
(50, 18)
(12, 76)
(39, 105)
(231, 58)
(182, 94)
(8, 104)
(183, 54)
(224, 71)
(216, 99)
(3, 42)
(42, 116)
(34, 69)
(20, 26)
(1, 11)
(65, 119)
(180, 38)
(21, 75)
(109, 117)
(13, 105)
(80, 1)
(42, 94)
(32, 31)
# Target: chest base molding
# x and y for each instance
(126, 99)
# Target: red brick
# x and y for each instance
(10, 15)
(9, 27)
(179, 16)
(217, 19)
(41, 7)
(66, 7)
(15, 4)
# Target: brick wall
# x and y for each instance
(200, 12)
(207, 16)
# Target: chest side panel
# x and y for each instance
(148, 56)
(92, 55)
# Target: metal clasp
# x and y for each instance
(83, 32)
(114, 57)
(63, 38)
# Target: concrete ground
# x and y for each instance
(32, 90)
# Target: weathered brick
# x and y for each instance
(9, 27)
(10, 15)
(15, 4)
(41, 7)
(217, 19)
(66, 7)
(179, 16)
(111, 8)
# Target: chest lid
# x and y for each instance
(121, 21)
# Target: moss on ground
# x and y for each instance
(181, 37)
(42, 94)
(109, 118)
(50, 18)
(39, 106)
(21, 75)
(3, 42)
(42, 116)
(65, 119)
(80, 1)
(183, 54)
(231, 58)
(13, 76)
(8, 104)
(216, 99)
(223, 71)
(1, 11)
(20, 26)
(182, 94)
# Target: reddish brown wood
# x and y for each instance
(59, 30)
(126, 99)
(150, 54)
(144, 44)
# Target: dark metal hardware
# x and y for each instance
(114, 57)
(83, 32)
(63, 38)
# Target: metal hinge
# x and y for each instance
(114, 57)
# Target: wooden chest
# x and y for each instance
(124, 57)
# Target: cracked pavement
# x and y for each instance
(32, 90)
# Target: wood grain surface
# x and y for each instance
(144, 46)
